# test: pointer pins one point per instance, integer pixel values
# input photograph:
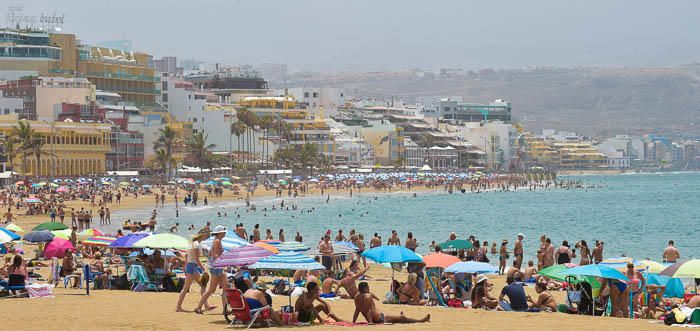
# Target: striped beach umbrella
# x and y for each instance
(271, 242)
(14, 228)
(241, 256)
(91, 233)
(99, 241)
(621, 263)
(287, 261)
(292, 246)
(683, 269)
(7, 236)
(129, 240)
(268, 247)
(653, 266)
(230, 241)
(339, 248)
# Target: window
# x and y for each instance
(315, 94)
(165, 97)
(7, 111)
(165, 86)
(306, 94)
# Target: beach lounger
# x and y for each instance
(236, 310)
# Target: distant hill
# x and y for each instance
(586, 100)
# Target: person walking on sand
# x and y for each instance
(193, 269)
(218, 277)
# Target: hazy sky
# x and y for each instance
(335, 35)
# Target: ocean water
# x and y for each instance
(633, 214)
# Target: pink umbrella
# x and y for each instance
(57, 248)
(62, 189)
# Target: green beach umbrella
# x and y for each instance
(51, 226)
(553, 272)
(163, 241)
(226, 183)
(283, 182)
(454, 245)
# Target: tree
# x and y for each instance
(237, 129)
(10, 149)
(198, 151)
(37, 149)
(163, 161)
(285, 155)
(24, 133)
(307, 156)
(167, 140)
(266, 122)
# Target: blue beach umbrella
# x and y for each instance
(287, 261)
(595, 270)
(292, 246)
(471, 267)
(7, 236)
(392, 254)
(129, 240)
(38, 236)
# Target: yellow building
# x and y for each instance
(580, 155)
(539, 152)
(73, 149)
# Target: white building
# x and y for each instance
(10, 105)
(495, 138)
(315, 98)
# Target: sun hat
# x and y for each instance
(521, 235)
(219, 229)
(481, 278)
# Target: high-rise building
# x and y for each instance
(451, 110)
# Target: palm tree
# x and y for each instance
(24, 133)
(198, 151)
(285, 156)
(307, 156)
(10, 149)
(167, 140)
(266, 123)
(163, 160)
(237, 129)
(37, 149)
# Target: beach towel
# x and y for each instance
(40, 290)
(344, 324)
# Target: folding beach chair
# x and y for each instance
(139, 279)
(236, 309)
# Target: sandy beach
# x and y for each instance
(110, 309)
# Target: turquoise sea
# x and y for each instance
(633, 214)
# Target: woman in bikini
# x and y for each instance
(585, 252)
(409, 294)
(545, 300)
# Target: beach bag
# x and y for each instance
(676, 316)
(121, 283)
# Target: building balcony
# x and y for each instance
(122, 76)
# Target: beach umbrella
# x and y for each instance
(53, 185)
(63, 234)
(455, 245)
(7, 236)
(271, 242)
(230, 241)
(621, 262)
(653, 266)
(99, 241)
(51, 226)
(287, 261)
(268, 247)
(37, 185)
(439, 260)
(57, 248)
(134, 180)
(91, 233)
(471, 267)
(226, 183)
(38, 236)
(62, 189)
(224, 178)
(554, 271)
(32, 200)
(683, 269)
(292, 246)
(283, 182)
(674, 286)
(595, 270)
(124, 184)
(391, 254)
(211, 182)
(164, 241)
(14, 228)
(241, 256)
(129, 240)
(340, 248)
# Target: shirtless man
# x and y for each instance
(256, 233)
(240, 231)
(330, 286)
(514, 271)
(326, 250)
(304, 306)
(518, 251)
(671, 253)
(411, 243)
(548, 258)
(348, 282)
(340, 236)
(364, 304)
(530, 271)
(394, 239)
(598, 252)
(375, 241)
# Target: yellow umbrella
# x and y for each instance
(653, 266)
(63, 234)
(14, 228)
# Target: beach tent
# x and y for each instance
(7, 236)
(674, 286)
(129, 240)
(292, 246)
(51, 226)
(163, 241)
(241, 256)
(57, 248)
(471, 267)
(38, 236)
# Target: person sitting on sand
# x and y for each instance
(409, 294)
(364, 304)
(481, 296)
(305, 310)
(348, 282)
(330, 286)
(530, 272)
(655, 301)
(545, 300)
(69, 266)
(513, 271)
(517, 300)
(255, 299)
